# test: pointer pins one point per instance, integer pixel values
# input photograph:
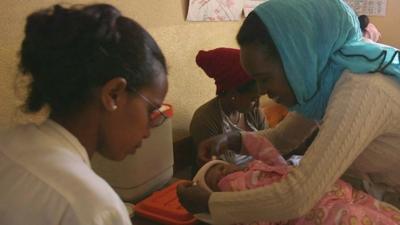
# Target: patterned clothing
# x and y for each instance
(341, 204)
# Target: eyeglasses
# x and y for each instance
(157, 117)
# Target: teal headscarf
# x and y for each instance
(317, 40)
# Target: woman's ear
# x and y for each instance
(113, 93)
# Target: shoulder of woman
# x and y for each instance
(206, 114)
(367, 82)
(364, 92)
(209, 106)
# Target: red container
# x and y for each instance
(164, 207)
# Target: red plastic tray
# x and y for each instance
(164, 207)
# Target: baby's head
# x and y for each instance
(212, 172)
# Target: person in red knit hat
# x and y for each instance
(223, 65)
(236, 105)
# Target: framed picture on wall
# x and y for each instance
(369, 7)
(220, 10)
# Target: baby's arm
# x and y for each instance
(268, 166)
(260, 148)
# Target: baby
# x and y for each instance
(340, 205)
(369, 30)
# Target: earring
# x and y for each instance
(113, 108)
(233, 98)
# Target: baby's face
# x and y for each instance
(217, 172)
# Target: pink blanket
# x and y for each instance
(339, 206)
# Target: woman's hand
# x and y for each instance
(193, 198)
(210, 147)
(217, 145)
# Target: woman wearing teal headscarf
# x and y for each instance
(309, 55)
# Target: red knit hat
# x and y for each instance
(223, 64)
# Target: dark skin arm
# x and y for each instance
(217, 145)
(301, 150)
(193, 198)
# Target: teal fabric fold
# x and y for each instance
(317, 40)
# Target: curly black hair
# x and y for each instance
(70, 51)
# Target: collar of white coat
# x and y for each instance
(57, 131)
